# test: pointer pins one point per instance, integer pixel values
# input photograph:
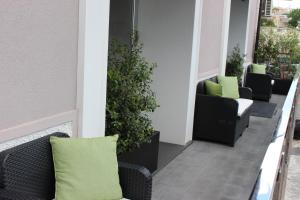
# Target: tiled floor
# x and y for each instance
(293, 178)
(208, 171)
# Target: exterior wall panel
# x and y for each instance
(211, 42)
(38, 59)
(166, 29)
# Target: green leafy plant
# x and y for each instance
(291, 72)
(268, 46)
(288, 42)
(129, 95)
(267, 22)
(272, 45)
(294, 17)
(234, 65)
(274, 70)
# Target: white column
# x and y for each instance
(225, 33)
(92, 66)
(194, 70)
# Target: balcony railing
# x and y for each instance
(272, 178)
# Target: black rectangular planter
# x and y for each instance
(281, 86)
(146, 155)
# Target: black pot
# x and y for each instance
(146, 155)
(281, 86)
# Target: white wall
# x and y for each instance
(166, 28)
(238, 25)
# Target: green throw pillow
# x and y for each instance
(258, 69)
(230, 87)
(213, 88)
(86, 168)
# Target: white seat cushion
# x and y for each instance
(244, 104)
(272, 82)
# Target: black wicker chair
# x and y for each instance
(261, 84)
(216, 118)
(26, 173)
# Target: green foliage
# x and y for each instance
(267, 22)
(274, 70)
(291, 71)
(234, 65)
(272, 44)
(289, 42)
(295, 57)
(129, 95)
(294, 17)
(268, 46)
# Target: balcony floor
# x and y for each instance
(209, 171)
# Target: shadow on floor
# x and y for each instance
(168, 152)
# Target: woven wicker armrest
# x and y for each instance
(245, 92)
(13, 195)
(136, 182)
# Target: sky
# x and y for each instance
(291, 4)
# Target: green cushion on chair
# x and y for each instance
(213, 88)
(86, 168)
(230, 87)
(258, 69)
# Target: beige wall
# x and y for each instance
(211, 42)
(38, 59)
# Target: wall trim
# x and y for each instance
(38, 125)
(225, 35)
(208, 74)
(194, 71)
(92, 67)
(248, 29)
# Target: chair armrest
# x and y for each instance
(13, 195)
(245, 92)
(136, 181)
(259, 83)
(259, 78)
(216, 107)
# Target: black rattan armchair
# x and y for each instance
(216, 118)
(26, 173)
(261, 84)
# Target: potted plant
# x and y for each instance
(130, 100)
(282, 78)
(234, 65)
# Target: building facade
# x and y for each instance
(54, 73)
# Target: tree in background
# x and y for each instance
(268, 46)
(276, 48)
(294, 17)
